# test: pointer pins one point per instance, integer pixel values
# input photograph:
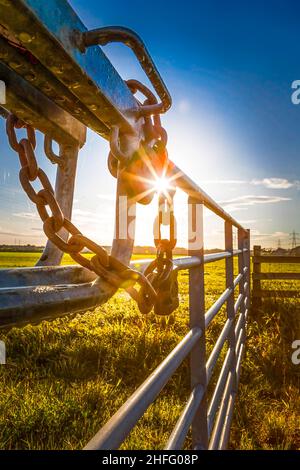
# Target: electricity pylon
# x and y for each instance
(294, 237)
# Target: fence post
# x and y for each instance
(242, 264)
(256, 282)
(248, 265)
(197, 311)
(230, 301)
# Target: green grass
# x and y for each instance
(22, 260)
(65, 378)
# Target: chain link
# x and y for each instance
(55, 159)
(103, 264)
(150, 157)
(161, 272)
(158, 285)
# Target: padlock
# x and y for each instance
(144, 300)
(167, 299)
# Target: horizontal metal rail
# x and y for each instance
(216, 397)
(182, 426)
(28, 103)
(194, 191)
(214, 356)
(45, 275)
(238, 302)
(186, 418)
(79, 297)
(215, 308)
(215, 401)
(32, 304)
(69, 274)
(67, 289)
(222, 426)
(118, 427)
(214, 442)
(90, 77)
(66, 92)
(230, 408)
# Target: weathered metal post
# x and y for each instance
(197, 319)
(256, 273)
(64, 192)
(242, 263)
(248, 265)
(230, 301)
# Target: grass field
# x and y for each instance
(65, 378)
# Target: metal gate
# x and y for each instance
(61, 94)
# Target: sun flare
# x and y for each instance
(161, 185)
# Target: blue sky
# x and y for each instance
(229, 67)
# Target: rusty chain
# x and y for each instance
(158, 285)
(111, 269)
(55, 159)
(152, 154)
(160, 272)
(150, 157)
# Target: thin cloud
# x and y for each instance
(237, 182)
(275, 183)
(245, 222)
(242, 202)
(85, 217)
(18, 234)
(106, 197)
(269, 183)
(26, 215)
(270, 236)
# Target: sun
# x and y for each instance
(162, 184)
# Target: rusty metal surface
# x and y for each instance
(45, 275)
(39, 77)
(30, 104)
(105, 265)
(89, 76)
(130, 38)
(33, 304)
(14, 299)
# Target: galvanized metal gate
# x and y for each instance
(61, 94)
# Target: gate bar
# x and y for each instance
(113, 433)
(197, 319)
(66, 296)
(183, 424)
(32, 106)
(90, 76)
